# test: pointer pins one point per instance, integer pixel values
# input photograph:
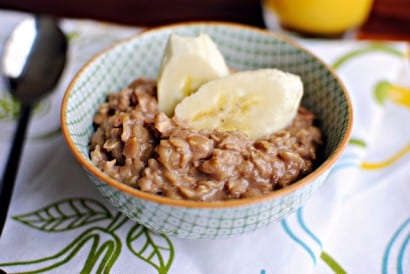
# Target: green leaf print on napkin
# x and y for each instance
(337, 269)
(72, 35)
(151, 248)
(103, 242)
(373, 47)
(10, 110)
(10, 107)
(105, 248)
(399, 95)
(65, 215)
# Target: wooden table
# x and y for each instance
(389, 20)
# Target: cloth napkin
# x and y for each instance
(357, 222)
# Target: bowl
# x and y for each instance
(244, 48)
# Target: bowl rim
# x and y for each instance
(315, 174)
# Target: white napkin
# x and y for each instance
(358, 221)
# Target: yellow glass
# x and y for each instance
(320, 17)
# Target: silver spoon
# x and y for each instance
(32, 62)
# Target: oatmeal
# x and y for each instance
(139, 146)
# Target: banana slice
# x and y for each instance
(188, 63)
(257, 102)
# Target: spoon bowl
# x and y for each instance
(32, 63)
(34, 57)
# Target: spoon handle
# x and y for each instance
(10, 171)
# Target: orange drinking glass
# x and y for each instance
(319, 17)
